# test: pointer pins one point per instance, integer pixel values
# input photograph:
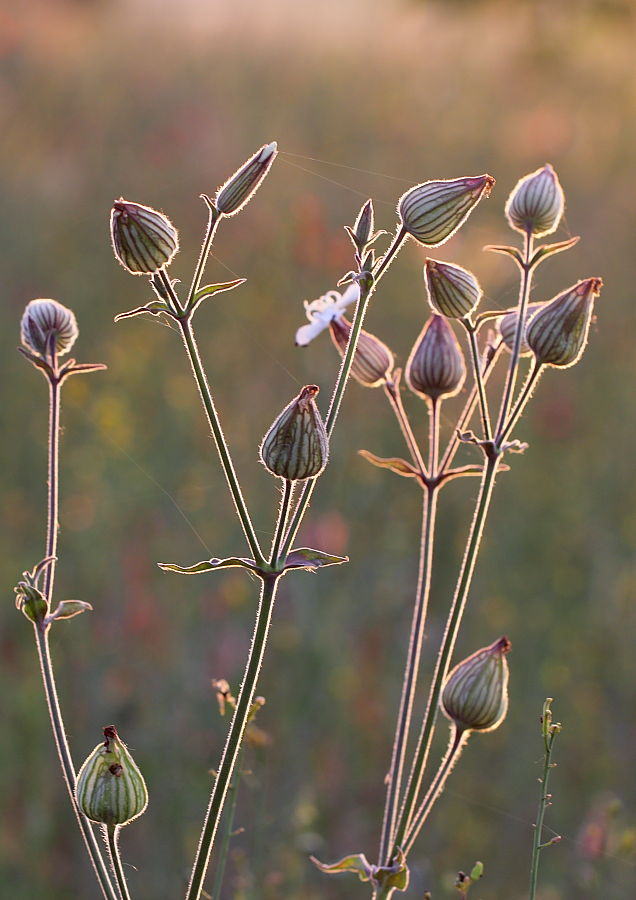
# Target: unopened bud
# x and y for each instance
(508, 328)
(557, 333)
(475, 695)
(296, 446)
(144, 240)
(452, 290)
(46, 323)
(372, 362)
(436, 365)
(110, 788)
(31, 601)
(433, 211)
(536, 203)
(232, 196)
(362, 230)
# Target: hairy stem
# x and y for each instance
(235, 736)
(524, 396)
(448, 644)
(479, 380)
(112, 838)
(214, 218)
(392, 391)
(288, 488)
(52, 519)
(219, 438)
(232, 795)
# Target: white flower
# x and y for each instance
(324, 310)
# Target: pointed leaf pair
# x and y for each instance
(154, 307)
(395, 463)
(211, 565)
(211, 289)
(306, 558)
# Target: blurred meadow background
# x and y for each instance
(157, 102)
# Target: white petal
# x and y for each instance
(351, 295)
(307, 333)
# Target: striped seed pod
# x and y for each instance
(47, 321)
(372, 362)
(475, 695)
(535, 205)
(508, 328)
(110, 788)
(436, 365)
(557, 333)
(452, 290)
(296, 446)
(238, 190)
(433, 211)
(144, 240)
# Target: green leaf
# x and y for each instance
(306, 558)
(395, 463)
(210, 565)
(478, 869)
(154, 307)
(211, 289)
(357, 863)
(507, 251)
(69, 608)
(550, 249)
(395, 876)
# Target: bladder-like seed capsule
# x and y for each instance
(110, 788)
(535, 205)
(557, 333)
(475, 695)
(144, 240)
(508, 328)
(372, 362)
(436, 365)
(296, 446)
(433, 211)
(46, 323)
(452, 290)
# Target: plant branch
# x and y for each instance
(479, 381)
(392, 391)
(214, 217)
(550, 732)
(112, 839)
(524, 396)
(283, 514)
(232, 795)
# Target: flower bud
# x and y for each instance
(436, 366)
(296, 446)
(475, 695)
(45, 322)
(372, 362)
(535, 205)
(452, 291)
(232, 196)
(508, 328)
(557, 333)
(110, 788)
(433, 211)
(144, 240)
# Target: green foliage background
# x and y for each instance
(158, 102)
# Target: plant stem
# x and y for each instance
(235, 736)
(458, 740)
(232, 795)
(524, 294)
(41, 632)
(479, 381)
(524, 396)
(112, 837)
(213, 419)
(214, 218)
(549, 736)
(392, 391)
(448, 644)
(341, 381)
(288, 488)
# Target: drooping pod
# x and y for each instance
(475, 694)
(557, 333)
(296, 446)
(452, 290)
(433, 211)
(372, 362)
(435, 368)
(144, 240)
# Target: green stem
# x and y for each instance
(341, 381)
(235, 736)
(288, 488)
(112, 838)
(232, 795)
(448, 644)
(479, 381)
(411, 671)
(544, 801)
(214, 218)
(219, 438)
(524, 294)
(524, 396)
(392, 391)
(458, 740)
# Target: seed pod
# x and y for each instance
(296, 446)
(144, 240)
(475, 695)
(110, 788)
(433, 211)
(238, 190)
(536, 203)
(452, 290)
(508, 328)
(557, 333)
(372, 362)
(47, 321)
(436, 365)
